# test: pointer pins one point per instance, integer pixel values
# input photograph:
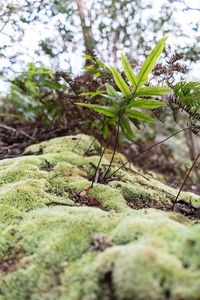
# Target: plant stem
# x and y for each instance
(92, 143)
(86, 152)
(149, 148)
(191, 145)
(97, 169)
(186, 177)
(77, 143)
(113, 155)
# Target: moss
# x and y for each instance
(81, 270)
(143, 272)
(20, 161)
(63, 233)
(154, 254)
(110, 198)
(23, 283)
(64, 170)
(19, 172)
(8, 239)
(149, 250)
(8, 214)
(25, 194)
(78, 144)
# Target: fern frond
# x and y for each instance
(188, 93)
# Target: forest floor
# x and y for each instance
(16, 136)
(61, 239)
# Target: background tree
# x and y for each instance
(57, 28)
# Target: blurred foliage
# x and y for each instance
(48, 96)
(109, 26)
(33, 94)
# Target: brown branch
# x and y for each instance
(14, 130)
(61, 203)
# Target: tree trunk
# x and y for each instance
(89, 41)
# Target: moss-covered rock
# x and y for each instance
(61, 252)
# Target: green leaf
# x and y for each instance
(101, 64)
(87, 57)
(97, 74)
(112, 92)
(126, 128)
(91, 67)
(105, 131)
(152, 91)
(120, 82)
(129, 72)
(22, 97)
(12, 116)
(146, 104)
(113, 99)
(150, 63)
(108, 111)
(51, 84)
(93, 94)
(48, 72)
(138, 115)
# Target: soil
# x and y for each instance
(11, 262)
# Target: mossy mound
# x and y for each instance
(106, 252)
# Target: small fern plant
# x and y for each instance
(130, 96)
(187, 98)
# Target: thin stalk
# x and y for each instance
(191, 145)
(92, 143)
(97, 169)
(86, 152)
(149, 148)
(77, 143)
(186, 177)
(113, 155)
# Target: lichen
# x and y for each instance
(46, 253)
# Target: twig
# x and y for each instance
(128, 168)
(186, 177)
(96, 175)
(14, 130)
(57, 190)
(77, 143)
(7, 128)
(96, 139)
(86, 152)
(113, 155)
(60, 203)
(136, 172)
(149, 148)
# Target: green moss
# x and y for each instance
(110, 198)
(81, 271)
(25, 194)
(60, 234)
(17, 173)
(154, 254)
(78, 144)
(8, 214)
(143, 272)
(149, 250)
